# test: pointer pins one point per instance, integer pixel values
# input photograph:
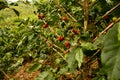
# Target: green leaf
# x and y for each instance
(99, 78)
(110, 56)
(43, 75)
(45, 1)
(71, 59)
(79, 56)
(119, 31)
(35, 67)
(57, 61)
(88, 46)
(20, 61)
(63, 70)
(99, 42)
(75, 58)
(21, 41)
(50, 77)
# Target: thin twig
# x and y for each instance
(85, 15)
(90, 5)
(47, 41)
(64, 12)
(108, 12)
(58, 53)
(106, 29)
(56, 2)
(80, 3)
(51, 29)
(58, 47)
(93, 55)
(69, 15)
(5, 74)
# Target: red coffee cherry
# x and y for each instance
(60, 38)
(75, 31)
(67, 44)
(106, 17)
(64, 18)
(45, 25)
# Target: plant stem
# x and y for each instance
(80, 3)
(93, 3)
(85, 15)
(5, 74)
(59, 53)
(69, 15)
(64, 11)
(60, 7)
(108, 12)
(106, 29)
(49, 42)
(93, 56)
(51, 29)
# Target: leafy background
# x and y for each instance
(46, 40)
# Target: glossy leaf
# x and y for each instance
(43, 75)
(20, 61)
(71, 59)
(111, 53)
(119, 31)
(88, 46)
(35, 67)
(75, 58)
(79, 57)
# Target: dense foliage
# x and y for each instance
(65, 41)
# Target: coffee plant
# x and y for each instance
(68, 40)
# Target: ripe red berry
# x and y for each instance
(45, 25)
(75, 31)
(64, 18)
(60, 38)
(41, 15)
(67, 44)
(106, 17)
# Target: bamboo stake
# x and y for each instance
(106, 29)
(108, 12)
(85, 15)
